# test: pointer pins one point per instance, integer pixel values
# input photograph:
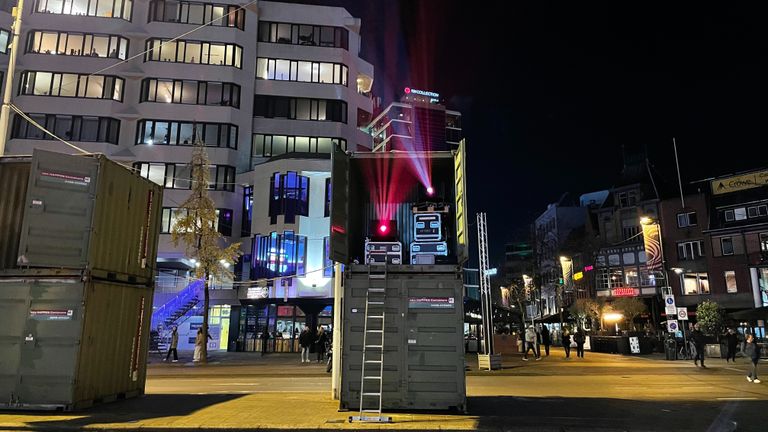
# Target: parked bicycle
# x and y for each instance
(687, 350)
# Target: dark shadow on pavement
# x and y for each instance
(130, 410)
(603, 414)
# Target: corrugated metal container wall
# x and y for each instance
(67, 344)
(87, 212)
(423, 338)
(14, 175)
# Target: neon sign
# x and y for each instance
(625, 292)
(426, 93)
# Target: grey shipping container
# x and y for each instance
(423, 337)
(68, 343)
(14, 176)
(87, 212)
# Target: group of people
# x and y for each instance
(533, 340)
(750, 349)
(174, 344)
(320, 340)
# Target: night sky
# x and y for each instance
(550, 95)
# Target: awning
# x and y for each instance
(551, 319)
(751, 314)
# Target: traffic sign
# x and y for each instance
(669, 305)
(682, 313)
(672, 326)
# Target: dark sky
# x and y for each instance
(549, 95)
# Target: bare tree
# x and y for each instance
(195, 228)
(631, 308)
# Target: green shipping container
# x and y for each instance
(67, 342)
(90, 213)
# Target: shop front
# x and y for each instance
(273, 326)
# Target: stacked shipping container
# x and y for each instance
(77, 263)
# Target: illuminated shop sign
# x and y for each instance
(426, 93)
(625, 292)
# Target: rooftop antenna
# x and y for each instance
(677, 165)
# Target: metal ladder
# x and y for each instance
(369, 373)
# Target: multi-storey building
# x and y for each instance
(268, 87)
(419, 122)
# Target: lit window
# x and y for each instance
(730, 281)
(278, 254)
(695, 283)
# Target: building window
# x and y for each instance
(5, 41)
(171, 215)
(301, 34)
(277, 255)
(735, 214)
(686, 219)
(179, 176)
(185, 12)
(194, 52)
(695, 283)
(764, 242)
(757, 211)
(164, 132)
(602, 279)
(264, 146)
(190, 92)
(726, 245)
(627, 199)
(617, 278)
(71, 85)
(327, 262)
(289, 196)
(327, 211)
(301, 71)
(94, 8)
(247, 218)
(300, 108)
(74, 128)
(77, 44)
(730, 281)
(629, 232)
(690, 250)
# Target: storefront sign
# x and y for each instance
(652, 240)
(431, 94)
(740, 182)
(431, 302)
(578, 276)
(51, 314)
(634, 345)
(625, 292)
(257, 293)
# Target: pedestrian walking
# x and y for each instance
(264, 340)
(322, 339)
(567, 343)
(697, 337)
(731, 341)
(579, 338)
(530, 343)
(546, 339)
(173, 345)
(752, 351)
(305, 340)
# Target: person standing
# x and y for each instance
(322, 339)
(173, 345)
(697, 337)
(530, 343)
(579, 338)
(731, 341)
(264, 340)
(305, 340)
(546, 339)
(567, 343)
(752, 351)
(199, 341)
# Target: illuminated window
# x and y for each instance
(77, 44)
(171, 215)
(764, 242)
(71, 85)
(164, 132)
(695, 283)
(178, 176)
(194, 52)
(278, 254)
(730, 281)
(303, 34)
(301, 71)
(247, 215)
(5, 41)
(185, 12)
(265, 146)
(94, 8)
(327, 262)
(190, 92)
(289, 196)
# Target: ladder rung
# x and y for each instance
(376, 316)
(373, 361)
(374, 346)
(375, 331)
(371, 394)
(375, 302)
(372, 377)
(371, 411)
(378, 276)
(376, 290)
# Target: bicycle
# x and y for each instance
(687, 351)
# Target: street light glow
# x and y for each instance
(612, 317)
(645, 220)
